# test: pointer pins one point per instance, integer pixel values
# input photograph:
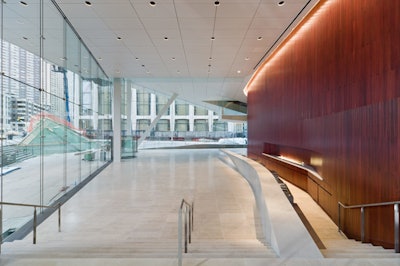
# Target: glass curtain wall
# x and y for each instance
(55, 119)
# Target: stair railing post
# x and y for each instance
(192, 216)
(190, 225)
(59, 217)
(339, 217)
(34, 225)
(1, 226)
(362, 225)
(180, 237)
(396, 228)
(186, 230)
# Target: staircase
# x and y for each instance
(348, 248)
(134, 248)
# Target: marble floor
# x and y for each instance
(137, 201)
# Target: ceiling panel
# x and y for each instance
(189, 25)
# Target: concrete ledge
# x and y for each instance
(281, 226)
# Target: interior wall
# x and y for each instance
(332, 90)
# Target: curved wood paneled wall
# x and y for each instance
(333, 89)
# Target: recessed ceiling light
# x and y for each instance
(88, 3)
(119, 38)
(23, 3)
(166, 38)
(143, 65)
(137, 58)
(99, 58)
(216, 3)
(173, 58)
(25, 38)
(212, 38)
(259, 38)
(281, 3)
(178, 72)
(209, 65)
(247, 59)
(210, 58)
(152, 3)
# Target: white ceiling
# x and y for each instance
(145, 57)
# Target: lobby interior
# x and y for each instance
(320, 81)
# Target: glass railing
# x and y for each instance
(128, 146)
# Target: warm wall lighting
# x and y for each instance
(300, 30)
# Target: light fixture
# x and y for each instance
(238, 71)
(25, 38)
(212, 38)
(260, 38)
(166, 38)
(88, 3)
(281, 3)
(23, 3)
(99, 58)
(119, 38)
(216, 3)
(247, 59)
(173, 58)
(210, 58)
(152, 3)
(137, 58)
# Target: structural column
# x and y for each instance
(116, 121)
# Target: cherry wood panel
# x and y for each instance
(333, 90)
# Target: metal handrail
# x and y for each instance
(187, 210)
(363, 206)
(34, 206)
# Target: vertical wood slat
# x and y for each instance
(336, 91)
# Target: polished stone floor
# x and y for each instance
(140, 197)
(137, 201)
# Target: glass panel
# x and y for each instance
(163, 125)
(181, 125)
(181, 108)
(143, 102)
(52, 137)
(200, 111)
(161, 101)
(200, 125)
(142, 124)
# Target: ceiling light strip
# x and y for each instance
(213, 37)
(282, 34)
(77, 35)
(180, 34)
